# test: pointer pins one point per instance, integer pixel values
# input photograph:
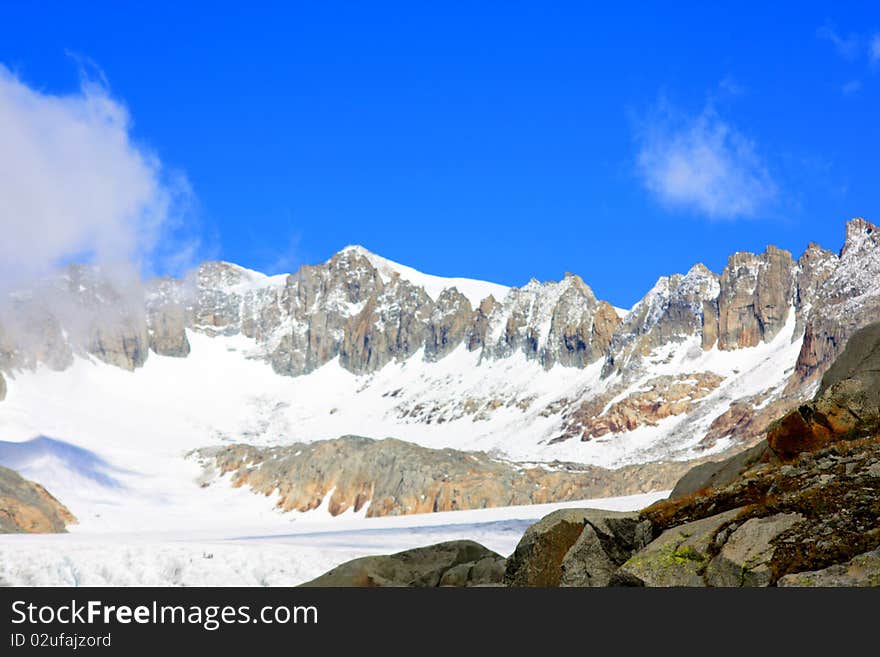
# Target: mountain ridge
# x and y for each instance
(698, 365)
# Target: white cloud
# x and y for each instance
(702, 164)
(846, 46)
(73, 183)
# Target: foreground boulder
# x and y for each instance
(27, 507)
(677, 557)
(454, 563)
(746, 557)
(575, 547)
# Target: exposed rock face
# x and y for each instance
(746, 556)
(846, 404)
(27, 507)
(480, 323)
(659, 398)
(672, 311)
(847, 297)
(863, 570)
(167, 318)
(677, 557)
(392, 325)
(554, 551)
(449, 323)
(757, 292)
(396, 477)
(819, 509)
(814, 267)
(454, 563)
(574, 337)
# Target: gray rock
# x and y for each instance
(846, 299)
(553, 547)
(744, 559)
(586, 563)
(454, 563)
(714, 474)
(450, 320)
(863, 570)
(673, 310)
(596, 555)
(677, 557)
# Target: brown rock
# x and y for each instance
(27, 507)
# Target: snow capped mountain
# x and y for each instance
(141, 374)
(474, 291)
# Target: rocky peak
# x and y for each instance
(480, 323)
(672, 311)
(450, 321)
(550, 322)
(858, 232)
(757, 292)
(846, 297)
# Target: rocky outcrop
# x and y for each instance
(672, 311)
(476, 338)
(551, 322)
(393, 477)
(846, 298)
(575, 547)
(862, 570)
(450, 321)
(167, 318)
(657, 399)
(677, 557)
(757, 292)
(793, 510)
(454, 563)
(846, 403)
(747, 553)
(27, 507)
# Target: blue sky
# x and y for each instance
(496, 140)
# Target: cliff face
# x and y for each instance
(846, 297)
(659, 360)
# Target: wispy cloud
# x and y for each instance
(702, 164)
(847, 46)
(74, 183)
(851, 87)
